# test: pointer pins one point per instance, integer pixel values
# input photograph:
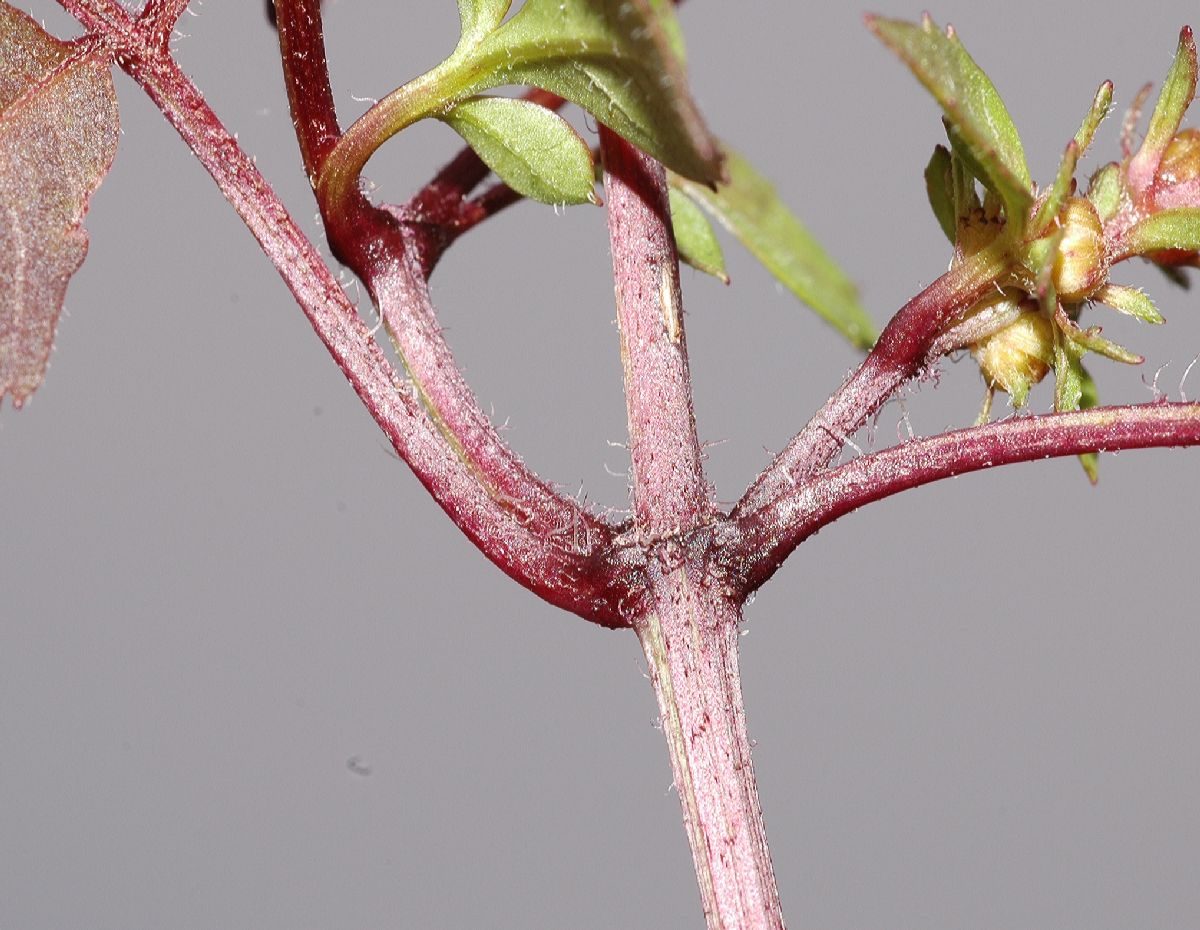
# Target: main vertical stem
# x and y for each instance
(689, 635)
(686, 620)
(669, 492)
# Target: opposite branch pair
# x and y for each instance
(554, 554)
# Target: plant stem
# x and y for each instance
(763, 540)
(159, 17)
(690, 637)
(669, 492)
(685, 621)
(391, 264)
(563, 564)
(899, 355)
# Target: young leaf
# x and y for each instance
(1101, 104)
(1074, 390)
(1091, 340)
(480, 17)
(665, 11)
(1068, 374)
(698, 245)
(1052, 203)
(1167, 229)
(533, 150)
(1130, 301)
(58, 135)
(1177, 93)
(1089, 397)
(974, 109)
(750, 208)
(1104, 190)
(962, 181)
(939, 188)
(614, 58)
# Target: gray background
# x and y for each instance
(975, 705)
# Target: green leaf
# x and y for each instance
(939, 187)
(1104, 191)
(1068, 374)
(698, 245)
(1089, 397)
(480, 17)
(665, 11)
(966, 197)
(531, 149)
(1130, 301)
(1168, 229)
(1177, 93)
(612, 57)
(58, 135)
(972, 106)
(1052, 203)
(1101, 104)
(1091, 340)
(750, 208)
(1074, 390)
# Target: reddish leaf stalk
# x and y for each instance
(561, 564)
(686, 621)
(762, 540)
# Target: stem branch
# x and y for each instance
(374, 243)
(763, 539)
(562, 564)
(900, 353)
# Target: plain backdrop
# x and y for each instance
(251, 677)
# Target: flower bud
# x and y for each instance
(1181, 160)
(1081, 266)
(1018, 356)
(1180, 166)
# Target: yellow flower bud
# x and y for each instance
(1081, 266)
(1181, 160)
(1019, 355)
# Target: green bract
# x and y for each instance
(750, 208)
(939, 187)
(1173, 101)
(1169, 229)
(1130, 301)
(1100, 107)
(665, 11)
(976, 116)
(531, 149)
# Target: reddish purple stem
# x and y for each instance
(560, 561)
(898, 356)
(669, 492)
(765, 538)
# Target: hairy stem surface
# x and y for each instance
(690, 636)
